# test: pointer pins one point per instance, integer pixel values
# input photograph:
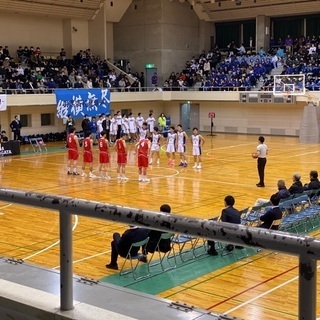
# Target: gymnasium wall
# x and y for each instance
(23, 30)
(231, 115)
(164, 33)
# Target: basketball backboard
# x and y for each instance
(289, 84)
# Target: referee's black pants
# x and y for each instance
(261, 164)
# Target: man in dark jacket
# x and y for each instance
(297, 184)
(271, 215)
(314, 183)
(283, 192)
(228, 214)
(121, 244)
(154, 236)
(15, 127)
(85, 125)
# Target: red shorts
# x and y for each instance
(104, 157)
(142, 161)
(73, 154)
(122, 158)
(88, 157)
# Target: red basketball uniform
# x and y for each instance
(122, 152)
(87, 151)
(143, 149)
(72, 147)
(104, 152)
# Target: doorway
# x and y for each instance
(189, 115)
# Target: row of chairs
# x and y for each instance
(299, 210)
(183, 248)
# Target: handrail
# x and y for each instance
(308, 248)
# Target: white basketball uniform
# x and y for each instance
(125, 125)
(132, 125)
(196, 150)
(155, 144)
(171, 142)
(113, 127)
(150, 122)
(143, 133)
(181, 142)
(139, 121)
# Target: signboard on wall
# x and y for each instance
(79, 102)
(3, 102)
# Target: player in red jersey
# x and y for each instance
(73, 151)
(121, 149)
(87, 155)
(103, 155)
(143, 147)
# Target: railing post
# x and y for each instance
(307, 288)
(66, 262)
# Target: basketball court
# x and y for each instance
(250, 288)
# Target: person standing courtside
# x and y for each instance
(261, 153)
(16, 126)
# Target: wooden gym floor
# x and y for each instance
(263, 286)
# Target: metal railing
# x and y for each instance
(307, 248)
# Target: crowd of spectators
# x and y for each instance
(28, 70)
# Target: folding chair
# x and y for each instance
(34, 144)
(181, 241)
(41, 145)
(80, 136)
(162, 254)
(136, 258)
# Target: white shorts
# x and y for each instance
(171, 148)
(196, 151)
(132, 130)
(181, 148)
(113, 132)
(155, 147)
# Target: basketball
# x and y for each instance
(254, 155)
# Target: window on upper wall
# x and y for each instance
(25, 120)
(47, 119)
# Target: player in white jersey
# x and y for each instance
(182, 138)
(171, 145)
(132, 127)
(197, 142)
(139, 122)
(144, 132)
(155, 146)
(99, 124)
(125, 124)
(150, 121)
(113, 128)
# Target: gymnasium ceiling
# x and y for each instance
(209, 10)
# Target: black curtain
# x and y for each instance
(282, 27)
(249, 30)
(226, 33)
(313, 25)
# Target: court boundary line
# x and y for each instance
(53, 244)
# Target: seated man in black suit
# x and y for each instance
(314, 183)
(228, 214)
(121, 245)
(273, 214)
(154, 236)
(297, 186)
